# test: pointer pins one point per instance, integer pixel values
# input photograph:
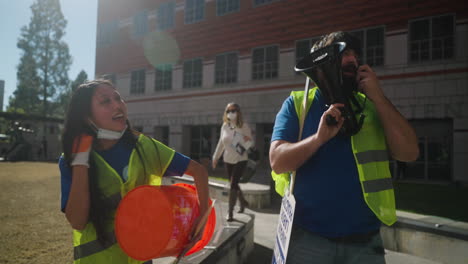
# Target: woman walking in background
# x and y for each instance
(103, 160)
(234, 141)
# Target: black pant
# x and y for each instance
(235, 172)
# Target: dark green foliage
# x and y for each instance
(444, 200)
(43, 69)
(64, 98)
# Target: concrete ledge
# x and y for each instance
(258, 195)
(430, 237)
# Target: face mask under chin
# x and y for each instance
(102, 133)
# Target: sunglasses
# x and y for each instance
(231, 111)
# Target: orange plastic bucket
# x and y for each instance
(155, 221)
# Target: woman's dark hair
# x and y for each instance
(76, 119)
(76, 124)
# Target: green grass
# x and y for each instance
(218, 179)
(447, 201)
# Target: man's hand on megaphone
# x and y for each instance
(368, 83)
(325, 132)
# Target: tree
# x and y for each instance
(26, 96)
(80, 79)
(65, 96)
(45, 60)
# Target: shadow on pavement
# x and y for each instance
(260, 255)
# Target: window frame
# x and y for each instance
(311, 42)
(364, 58)
(430, 40)
(138, 90)
(108, 33)
(264, 63)
(140, 23)
(193, 19)
(166, 81)
(228, 11)
(161, 133)
(165, 16)
(193, 82)
(226, 69)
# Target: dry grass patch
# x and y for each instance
(32, 229)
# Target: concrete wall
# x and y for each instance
(425, 244)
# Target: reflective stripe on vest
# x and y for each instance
(377, 185)
(112, 201)
(147, 167)
(371, 157)
(92, 247)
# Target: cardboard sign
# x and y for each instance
(283, 231)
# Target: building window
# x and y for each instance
(163, 77)
(226, 68)
(137, 83)
(201, 138)
(435, 160)
(372, 45)
(107, 33)
(193, 73)
(224, 7)
(165, 18)
(194, 11)
(432, 39)
(161, 133)
(140, 24)
(265, 63)
(303, 49)
(263, 2)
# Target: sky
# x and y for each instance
(80, 36)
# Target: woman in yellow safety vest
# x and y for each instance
(103, 159)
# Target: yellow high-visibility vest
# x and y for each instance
(154, 159)
(371, 157)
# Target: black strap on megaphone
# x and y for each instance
(323, 66)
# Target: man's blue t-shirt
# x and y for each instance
(329, 199)
(118, 157)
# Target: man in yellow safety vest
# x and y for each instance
(343, 187)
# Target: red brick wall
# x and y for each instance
(281, 22)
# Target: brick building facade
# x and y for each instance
(178, 63)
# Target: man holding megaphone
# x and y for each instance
(350, 130)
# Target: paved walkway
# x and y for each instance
(265, 230)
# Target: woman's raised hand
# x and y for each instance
(80, 151)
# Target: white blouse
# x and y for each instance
(226, 147)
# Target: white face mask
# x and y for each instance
(232, 116)
(106, 133)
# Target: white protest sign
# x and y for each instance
(288, 204)
(283, 232)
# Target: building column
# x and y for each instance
(460, 152)
(175, 137)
